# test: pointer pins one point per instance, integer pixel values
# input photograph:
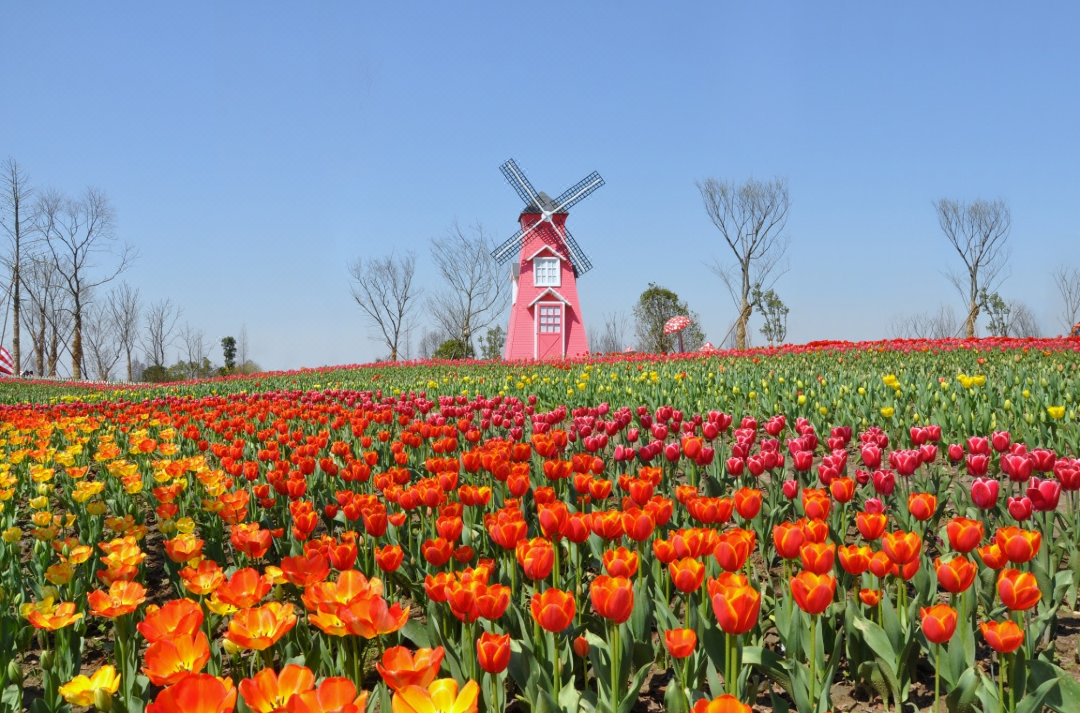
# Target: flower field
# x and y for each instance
(879, 526)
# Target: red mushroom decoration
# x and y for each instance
(707, 347)
(677, 325)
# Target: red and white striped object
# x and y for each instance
(7, 366)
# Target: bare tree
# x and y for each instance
(383, 288)
(1067, 281)
(242, 354)
(161, 318)
(16, 223)
(477, 291)
(77, 233)
(102, 348)
(125, 313)
(978, 231)
(941, 324)
(751, 217)
(610, 336)
(1022, 321)
(196, 348)
(48, 317)
(429, 342)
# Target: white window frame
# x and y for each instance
(549, 264)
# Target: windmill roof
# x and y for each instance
(545, 201)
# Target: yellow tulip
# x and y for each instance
(1056, 411)
(83, 690)
(887, 411)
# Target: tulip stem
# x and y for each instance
(616, 664)
(813, 660)
(937, 677)
(556, 674)
(1001, 682)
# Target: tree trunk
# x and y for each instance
(54, 351)
(740, 329)
(39, 346)
(973, 315)
(16, 350)
(128, 365)
(76, 345)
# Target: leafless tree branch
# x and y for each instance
(383, 288)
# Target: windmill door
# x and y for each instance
(550, 321)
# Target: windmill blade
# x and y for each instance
(512, 244)
(578, 258)
(517, 180)
(578, 192)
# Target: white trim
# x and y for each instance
(552, 265)
(549, 249)
(547, 292)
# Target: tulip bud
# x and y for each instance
(581, 646)
(102, 700)
(791, 489)
(14, 672)
(48, 658)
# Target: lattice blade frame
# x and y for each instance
(578, 258)
(519, 182)
(579, 191)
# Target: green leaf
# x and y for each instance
(876, 638)
(629, 698)
(962, 698)
(1033, 701)
(417, 633)
(675, 698)
(770, 663)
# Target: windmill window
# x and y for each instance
(546, 272)
(550, 320)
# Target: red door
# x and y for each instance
(549, 330)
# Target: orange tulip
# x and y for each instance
(260, 628)
(389, 558)
(372, 616)
(842, 489)
(956, 575)
(612, 597)
(855, 559)
(815, 530)
(818, 557)
(197, 693)
(250, 539)
(964, 534)
(1003, 637)
(334, 695)
(400, 667)
(880, 564)
(553, 609)
(1018, 545)
(493, 652)
(536, 557)
(54, 617)
(680, 643)
(902, 547)
(938, 623)
(183, 548)
(244, 589)
(733, 549)
(437, 552)
(726, 703)
(305, 570)
(204, 579)
(269, 692)
(748, 503)
(621, 562)
(736, 607)
(922, 506)
(871, 524)
(788, 538)
(992, 556)
(813, 592)
(179, 617)
(1018, 590)
(122, 598)
(169, 660)
(442, 696)
(816, 504)
(687, 574)
(870, 597)
(906, 571)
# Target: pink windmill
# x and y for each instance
(545, 314)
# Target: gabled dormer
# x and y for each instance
(546, 267)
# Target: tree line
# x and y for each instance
(751, 218)
(68, 308)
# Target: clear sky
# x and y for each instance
(252, 150)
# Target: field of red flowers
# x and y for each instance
(874, 527)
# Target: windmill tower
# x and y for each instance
(545, 314)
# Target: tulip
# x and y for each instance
(726, 703)
(992, 556)
(922, 506)
(553, 609)
(748, 503)
(442, 696)
(902, 547)
(813, 592)
(791, 489)
(737, 608)
(871, 525)
(733, 549)
(305, 570)
(197, 693)
(269, 692)
(244, 589)
(620, 562)
(260, 628)
(854, 559)
(612, 598)
(122, 598)
(956, 575)
(334, 695)
(389, 557)
(1018, 590)
(818, 557)
(938, 625)
(884, 482)
(492, 652)
(536, 557)
(842, 489)
(788, 538)
(687, 574)
(53, 618)
(1044, 494)
(964, 534)
(85, 690)
(870, 597)
(1018, 545)
(1019, 508)
(1004, 637)
(169, 660)
(177, 617)
(680, 643)
(400, 667)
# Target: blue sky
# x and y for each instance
(252, 150)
